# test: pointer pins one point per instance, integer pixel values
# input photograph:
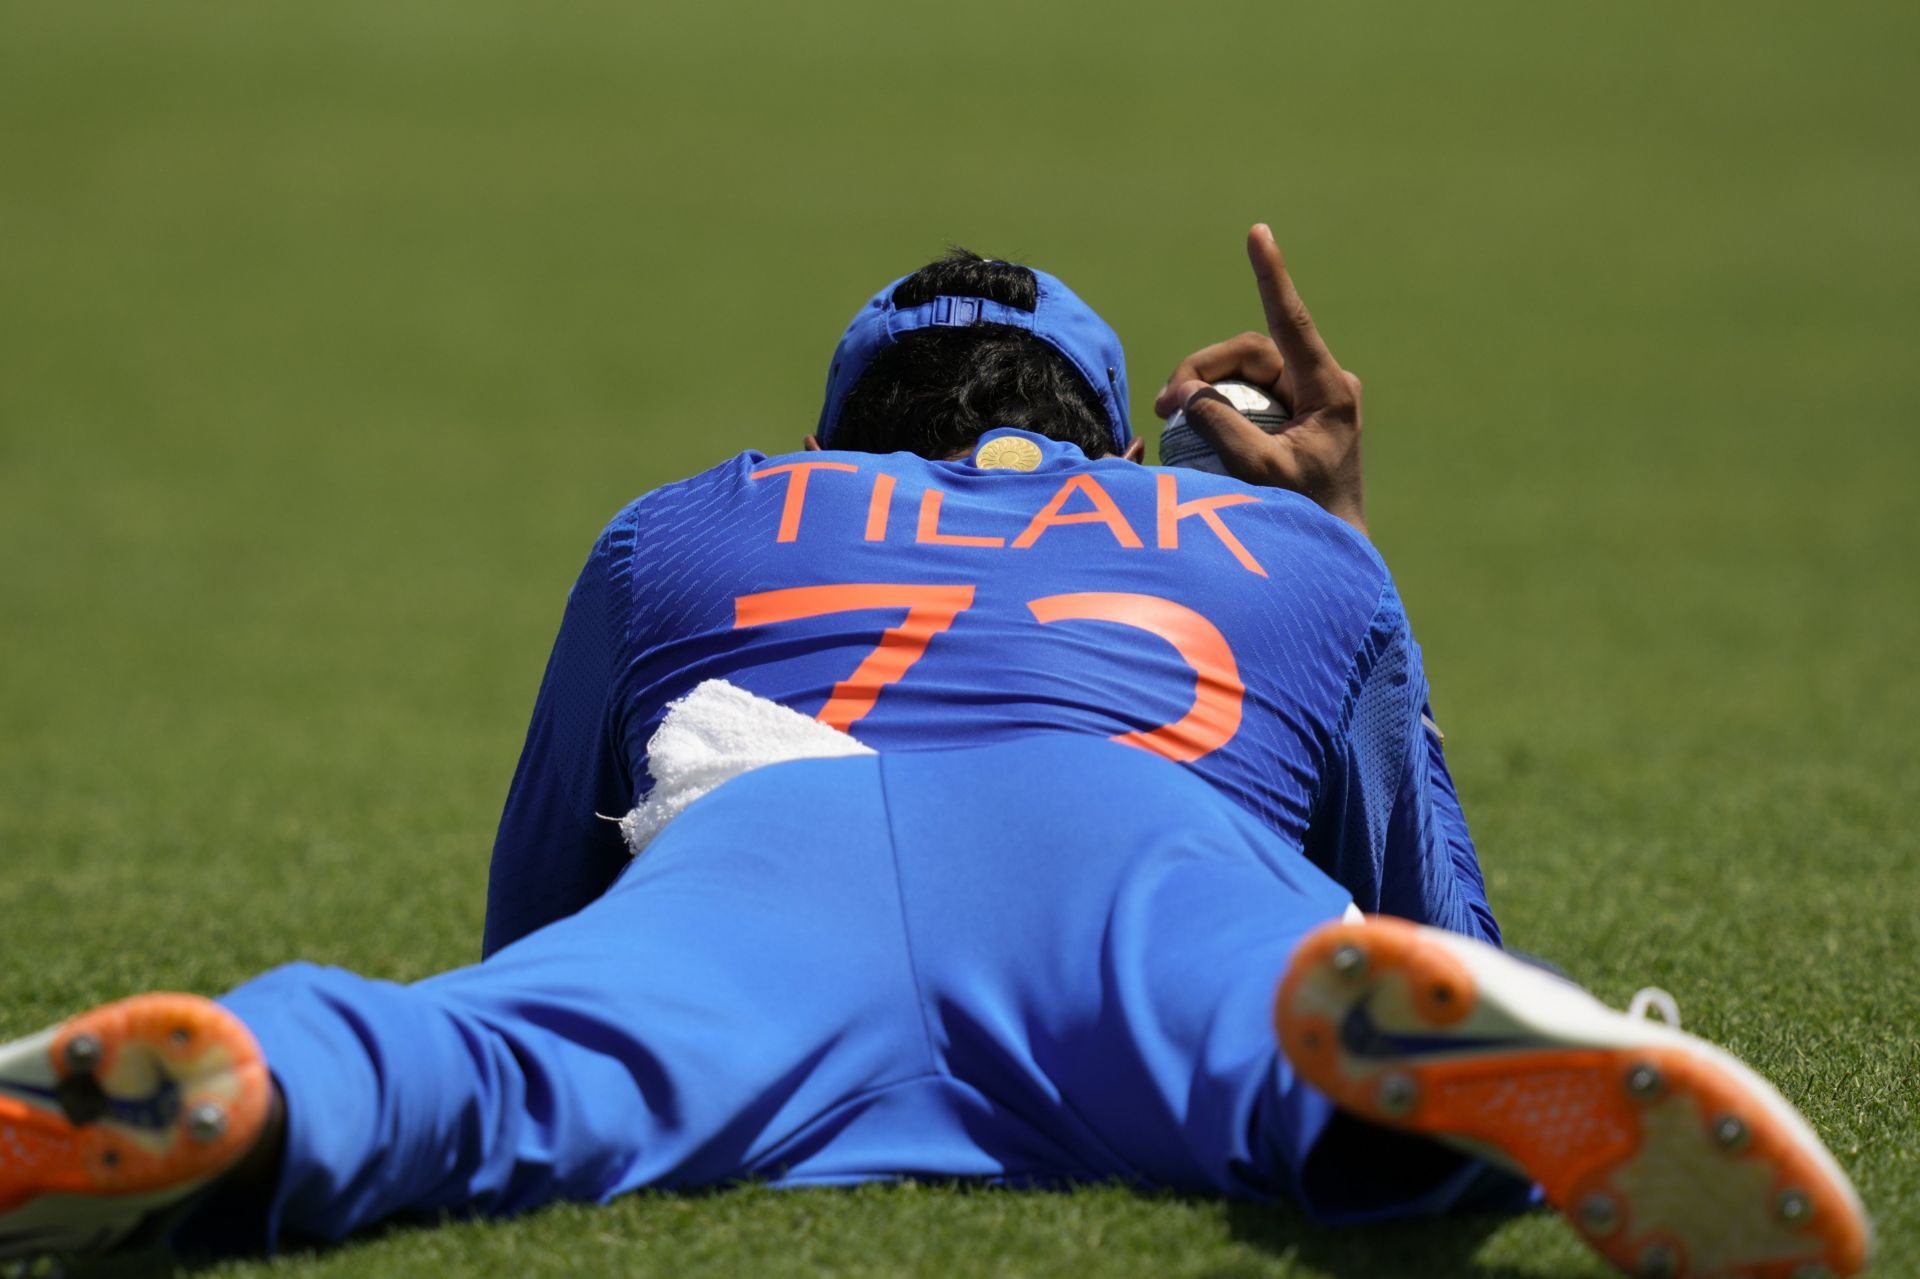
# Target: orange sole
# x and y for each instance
(1654, 1178)
(183, 1054)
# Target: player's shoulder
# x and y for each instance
(681, 499)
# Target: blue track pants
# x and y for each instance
(1038, 962)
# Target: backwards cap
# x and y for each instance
(1059, 318)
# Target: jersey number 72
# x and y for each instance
(1208, 725)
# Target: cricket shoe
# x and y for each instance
(114, 1117)
(1667, 1155)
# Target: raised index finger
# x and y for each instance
(1287, 316)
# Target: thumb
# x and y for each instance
(1247, 452)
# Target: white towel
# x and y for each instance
(711, 736)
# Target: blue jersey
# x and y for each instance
(1023, 590)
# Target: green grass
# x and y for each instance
(329, 335)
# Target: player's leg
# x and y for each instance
(741, 982)
(1099, 947)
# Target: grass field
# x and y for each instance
(331, 334)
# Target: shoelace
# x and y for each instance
(1653, 999)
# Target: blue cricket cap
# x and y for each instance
(1059, 318)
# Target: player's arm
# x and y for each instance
(553, 854)
(1388, 825)
(1451, 822)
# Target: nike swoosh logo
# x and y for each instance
(1361, 1036)
(28, 1092)
(156, 1111)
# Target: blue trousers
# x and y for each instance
(1040, 962)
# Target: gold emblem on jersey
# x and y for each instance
(1008, 453)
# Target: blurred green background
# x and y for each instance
(331, 334)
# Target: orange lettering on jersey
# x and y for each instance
(880, 507)
(930, 610)
(797, 474)
(1172, 510)
(1104, 512)
(1217, 692)
(929, 530)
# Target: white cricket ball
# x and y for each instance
(1181, 445)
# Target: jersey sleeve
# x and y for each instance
(1389, 826)
(555, 852)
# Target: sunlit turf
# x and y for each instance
(330, 335)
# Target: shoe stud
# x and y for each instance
(1730, 1134)
(1793, 1207)
(206, 1121)
(1397, 1093)
(83, 1053)
(1643, 1080)
(1599, 1214)
(1657, 1261)
(1349, 960)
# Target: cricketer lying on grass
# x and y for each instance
(1131, 741)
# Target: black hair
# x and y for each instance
(935, 391)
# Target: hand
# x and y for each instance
(1318, 452)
